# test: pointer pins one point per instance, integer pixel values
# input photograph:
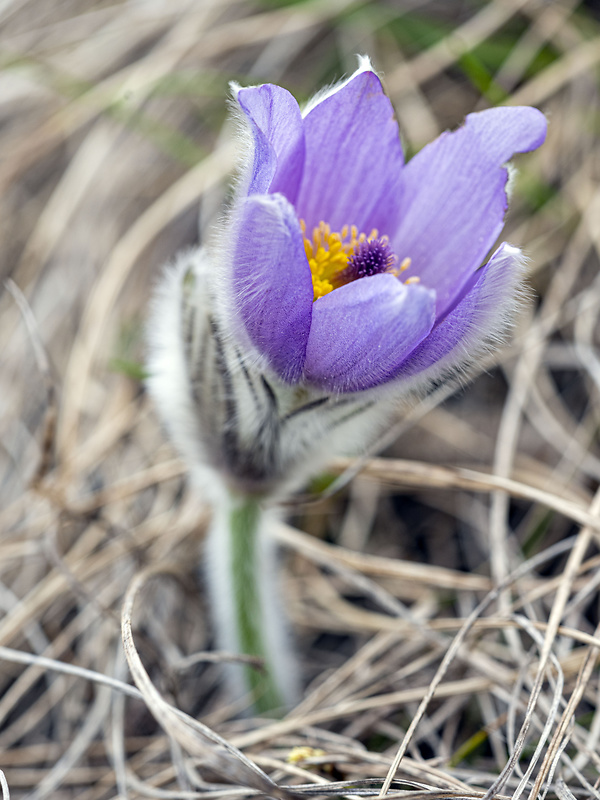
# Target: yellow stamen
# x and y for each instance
(328, 253)
(413, 279)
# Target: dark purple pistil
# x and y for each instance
(370, 258)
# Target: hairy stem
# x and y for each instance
(246, 607)
(245, 568)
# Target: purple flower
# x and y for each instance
(348, 268)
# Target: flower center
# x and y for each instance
(339, 258)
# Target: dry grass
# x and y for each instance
(446, 616)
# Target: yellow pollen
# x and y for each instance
(328, 253)
(298, 754)
(413, 279)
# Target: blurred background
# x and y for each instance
(116, 152)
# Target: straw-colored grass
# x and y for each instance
(445, 597)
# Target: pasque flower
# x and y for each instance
(340, 281)
(349, 268)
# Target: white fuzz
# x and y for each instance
(512, 172)
(168, 379)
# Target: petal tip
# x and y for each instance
(539, 125)
(364, 68)
(364, 64)
(523, 128)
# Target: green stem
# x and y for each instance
(244, 525)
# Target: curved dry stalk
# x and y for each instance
(193, 736)
(421, 474)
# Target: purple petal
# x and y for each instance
(480, 320)
(272, 282)
(363, 331)
(353, 159)
(453, 197)
(277, 129)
